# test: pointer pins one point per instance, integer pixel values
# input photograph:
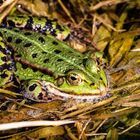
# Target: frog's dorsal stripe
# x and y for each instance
(55, 50)
(29, 73)
(24, 62)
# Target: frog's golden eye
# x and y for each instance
(74, 79)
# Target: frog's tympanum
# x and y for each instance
(32, 49)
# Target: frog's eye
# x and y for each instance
(74, 79)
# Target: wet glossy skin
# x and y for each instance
(42, 59)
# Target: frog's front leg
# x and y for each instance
(6, 64)
(34, 83)
(40, 91)
(34, 90)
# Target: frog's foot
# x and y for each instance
(6, 64)
(42, 91)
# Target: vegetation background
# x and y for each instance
(111, 26)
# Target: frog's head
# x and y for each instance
(91, 80)
(89, 84)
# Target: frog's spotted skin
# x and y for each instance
(49, 68)
(47, 64)
(43, 25)
(6, 64)
(44, 52)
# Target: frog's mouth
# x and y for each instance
(53, 93)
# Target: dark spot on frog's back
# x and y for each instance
(27, 33)
(34, 69)
(18, 40)
(53, 33)
(18, 55)
(5, 66)
(11, 23)
(46, 60)
(9, 39)
(59, 60)
(32, 87)
(34, 55)
(27, 45)
(1, 34)
(29, 24)
(85, 61)
(4, 75)
(3, 50)
(4, 58)
(24, 66)
(20, 16)
(55, 43)
(59, 27)
(41, 39)
(57, 51)
(44, 52)
(16, 30)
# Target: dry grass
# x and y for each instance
(112, 27)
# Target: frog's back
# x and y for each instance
(43, 51)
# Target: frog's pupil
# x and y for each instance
(73, 78)
(32, 87)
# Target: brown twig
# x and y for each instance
(106, 3)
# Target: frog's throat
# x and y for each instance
(52, 89)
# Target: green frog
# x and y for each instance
(32, 49)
